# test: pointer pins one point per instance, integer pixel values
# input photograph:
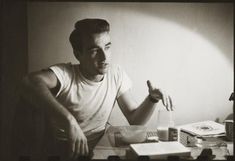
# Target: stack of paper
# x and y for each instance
(160, 150)
(204, 128)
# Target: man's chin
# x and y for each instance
(103, 71)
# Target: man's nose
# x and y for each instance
(103, 55)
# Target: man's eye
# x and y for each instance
(107, 47)
(94, 51)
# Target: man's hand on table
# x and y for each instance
(71, 133)
(78, 145)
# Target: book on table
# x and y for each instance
(199, 133)
(204, 128)
(160, 149)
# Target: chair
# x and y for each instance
(31, 133)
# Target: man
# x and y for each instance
(79, 98)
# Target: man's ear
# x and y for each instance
(77, 54)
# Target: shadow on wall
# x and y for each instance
(203, 19)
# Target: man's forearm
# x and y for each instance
(39, 95)
(143, 113)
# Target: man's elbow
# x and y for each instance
(31, 79)
(28, 82)
(132, 120)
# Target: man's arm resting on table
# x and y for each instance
(139, 115)
(36, 88)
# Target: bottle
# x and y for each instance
(172, 130)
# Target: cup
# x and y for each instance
(164, 121)
(162, 133)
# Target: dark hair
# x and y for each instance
(86, 27)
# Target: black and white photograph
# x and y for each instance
(96, 80)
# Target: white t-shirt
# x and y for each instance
(90, 102)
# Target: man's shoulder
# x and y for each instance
(64, 69)
(68, 64)
(64, 66)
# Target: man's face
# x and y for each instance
(96, 54)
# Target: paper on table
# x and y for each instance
(204, 128)
(158, 150)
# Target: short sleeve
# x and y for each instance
(125, 83)
(63, 75)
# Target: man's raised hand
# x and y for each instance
(158, 94)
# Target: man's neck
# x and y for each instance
(90, 77)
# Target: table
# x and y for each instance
(106, 147)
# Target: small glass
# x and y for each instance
(164, 121)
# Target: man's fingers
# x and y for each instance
(81, 152)
(149, 85)
(155, 93)
(75, 154)
(164, 101)
(83, 148)
(171, 104)
(87, 150)
(163, 97)
(167, 102)
(77, 150)
(71, 149)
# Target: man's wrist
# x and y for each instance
(70, 119)
(153, 100)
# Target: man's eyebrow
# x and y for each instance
(108, 44)
(96, 47)
(93, 47)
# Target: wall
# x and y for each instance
(185, 49)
